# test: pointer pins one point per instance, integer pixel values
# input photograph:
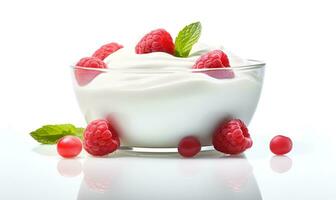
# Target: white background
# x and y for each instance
(39, 40)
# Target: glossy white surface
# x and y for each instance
(39, 39)
(32, 171)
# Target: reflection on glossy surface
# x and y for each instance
(235, 173)
(69, 167)
(281, 164)
(204, 177)
(101, 174)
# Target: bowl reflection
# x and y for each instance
(213, 177)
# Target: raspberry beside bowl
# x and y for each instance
(157, 108)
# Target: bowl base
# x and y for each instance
(159, 150)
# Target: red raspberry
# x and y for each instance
(212, 59)
(218, 73)
(106, 50)
(84, 76)
(281, 145)
(100, 138)
(189, 146)
(232, 137)
(158, 40)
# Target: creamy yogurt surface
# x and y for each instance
(127, 58)
(154, 109)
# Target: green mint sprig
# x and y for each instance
(50, 134)
(186, 38)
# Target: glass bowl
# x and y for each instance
(154, 109)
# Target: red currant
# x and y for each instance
(69, 146)
(280, 145)
(189, 146)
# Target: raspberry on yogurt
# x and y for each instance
(85, 75)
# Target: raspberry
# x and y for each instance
(281, 145)
(218, 74)
(189, 146)
(69, 146)
(100, 138)
(84, 76)
(212, 59)
(158, 40)
(232, 137)
(106, 50)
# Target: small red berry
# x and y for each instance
(100, 138)
(281, 145)
(158, 40)
(212, 59)
(106, 50)
(69, 146)
(189, 146)
(84, 76)
(232, 137)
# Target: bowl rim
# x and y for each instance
(253, 64)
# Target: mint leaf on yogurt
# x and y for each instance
(186, 38)
(50, 134)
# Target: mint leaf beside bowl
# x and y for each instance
(50, 134)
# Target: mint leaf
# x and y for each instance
(79, 132)
(50, 134)
(186, 38)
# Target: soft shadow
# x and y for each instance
(45, 150)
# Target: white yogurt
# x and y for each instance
(158, 109)
(126, 58)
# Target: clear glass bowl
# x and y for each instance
(156, 109)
